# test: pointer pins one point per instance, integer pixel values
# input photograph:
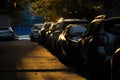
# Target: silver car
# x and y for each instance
(34, 31)
(7, 33)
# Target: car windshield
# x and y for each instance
(52, 27)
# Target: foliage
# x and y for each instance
(116, 6)
(53, 9)
(11, 7)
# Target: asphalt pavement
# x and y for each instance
(25, 60)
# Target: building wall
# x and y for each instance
(5, 21)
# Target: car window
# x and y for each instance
(72, 22)
(52, 27)
(35, 27)
(89, 30)
(58, 25)
(80, 30)
(38, 26)
(46, 26)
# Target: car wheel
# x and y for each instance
(96, 66)
(59, 51)
(32, 39)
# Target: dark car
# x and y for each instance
(116, 65)
(61, 24)
(42, 32)
(68, 40)
(50, 30)
(7, 33)
(34, 31)
(99, 43)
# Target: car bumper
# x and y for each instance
(4, 36)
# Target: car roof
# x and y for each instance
(38, 24)
(103, 18)
(112, 19)
(77, 25)
(69, 20)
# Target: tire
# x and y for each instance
(96, 70)
(32, 39)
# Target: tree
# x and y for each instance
(116, 8)
(65, 8)
(14, 9)
(54, 9)
(11, 7)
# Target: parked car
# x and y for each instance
(34, 31)
(7, 33)
(43, 31)
(61, 24)
(50, 30)
(68, 39)
(116, 65)
(98, 44)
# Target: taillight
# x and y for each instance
(102, 40)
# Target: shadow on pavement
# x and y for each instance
(11, 53)
(73, 68)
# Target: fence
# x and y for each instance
(22, 29)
